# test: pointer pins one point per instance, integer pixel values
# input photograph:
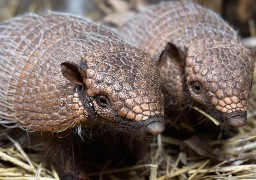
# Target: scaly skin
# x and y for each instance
(60, 73)
(36, 96)
(203, 63)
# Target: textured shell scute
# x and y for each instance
(32, 48)
(118, 68)
(36, 96)
(178, 22)
(229, 68)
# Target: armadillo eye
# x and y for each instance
(197, 87)
(102, 101)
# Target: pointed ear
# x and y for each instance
(72, 72)
(172, 53)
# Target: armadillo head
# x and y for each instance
(217, 78)
(219, 74)
(123, 90)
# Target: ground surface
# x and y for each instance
(208, 153)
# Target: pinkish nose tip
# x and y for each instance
(237, 121)
(155, 128)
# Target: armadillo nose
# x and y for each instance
(237, 121)
(155, 128)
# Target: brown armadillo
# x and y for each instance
(60, 72)
(203, 63)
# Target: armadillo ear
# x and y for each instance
(72, 72)
(172, 53)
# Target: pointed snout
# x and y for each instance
(156, 127)
(237, 121)
(237, 118)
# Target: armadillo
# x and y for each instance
(60, 72)
(200, 58)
